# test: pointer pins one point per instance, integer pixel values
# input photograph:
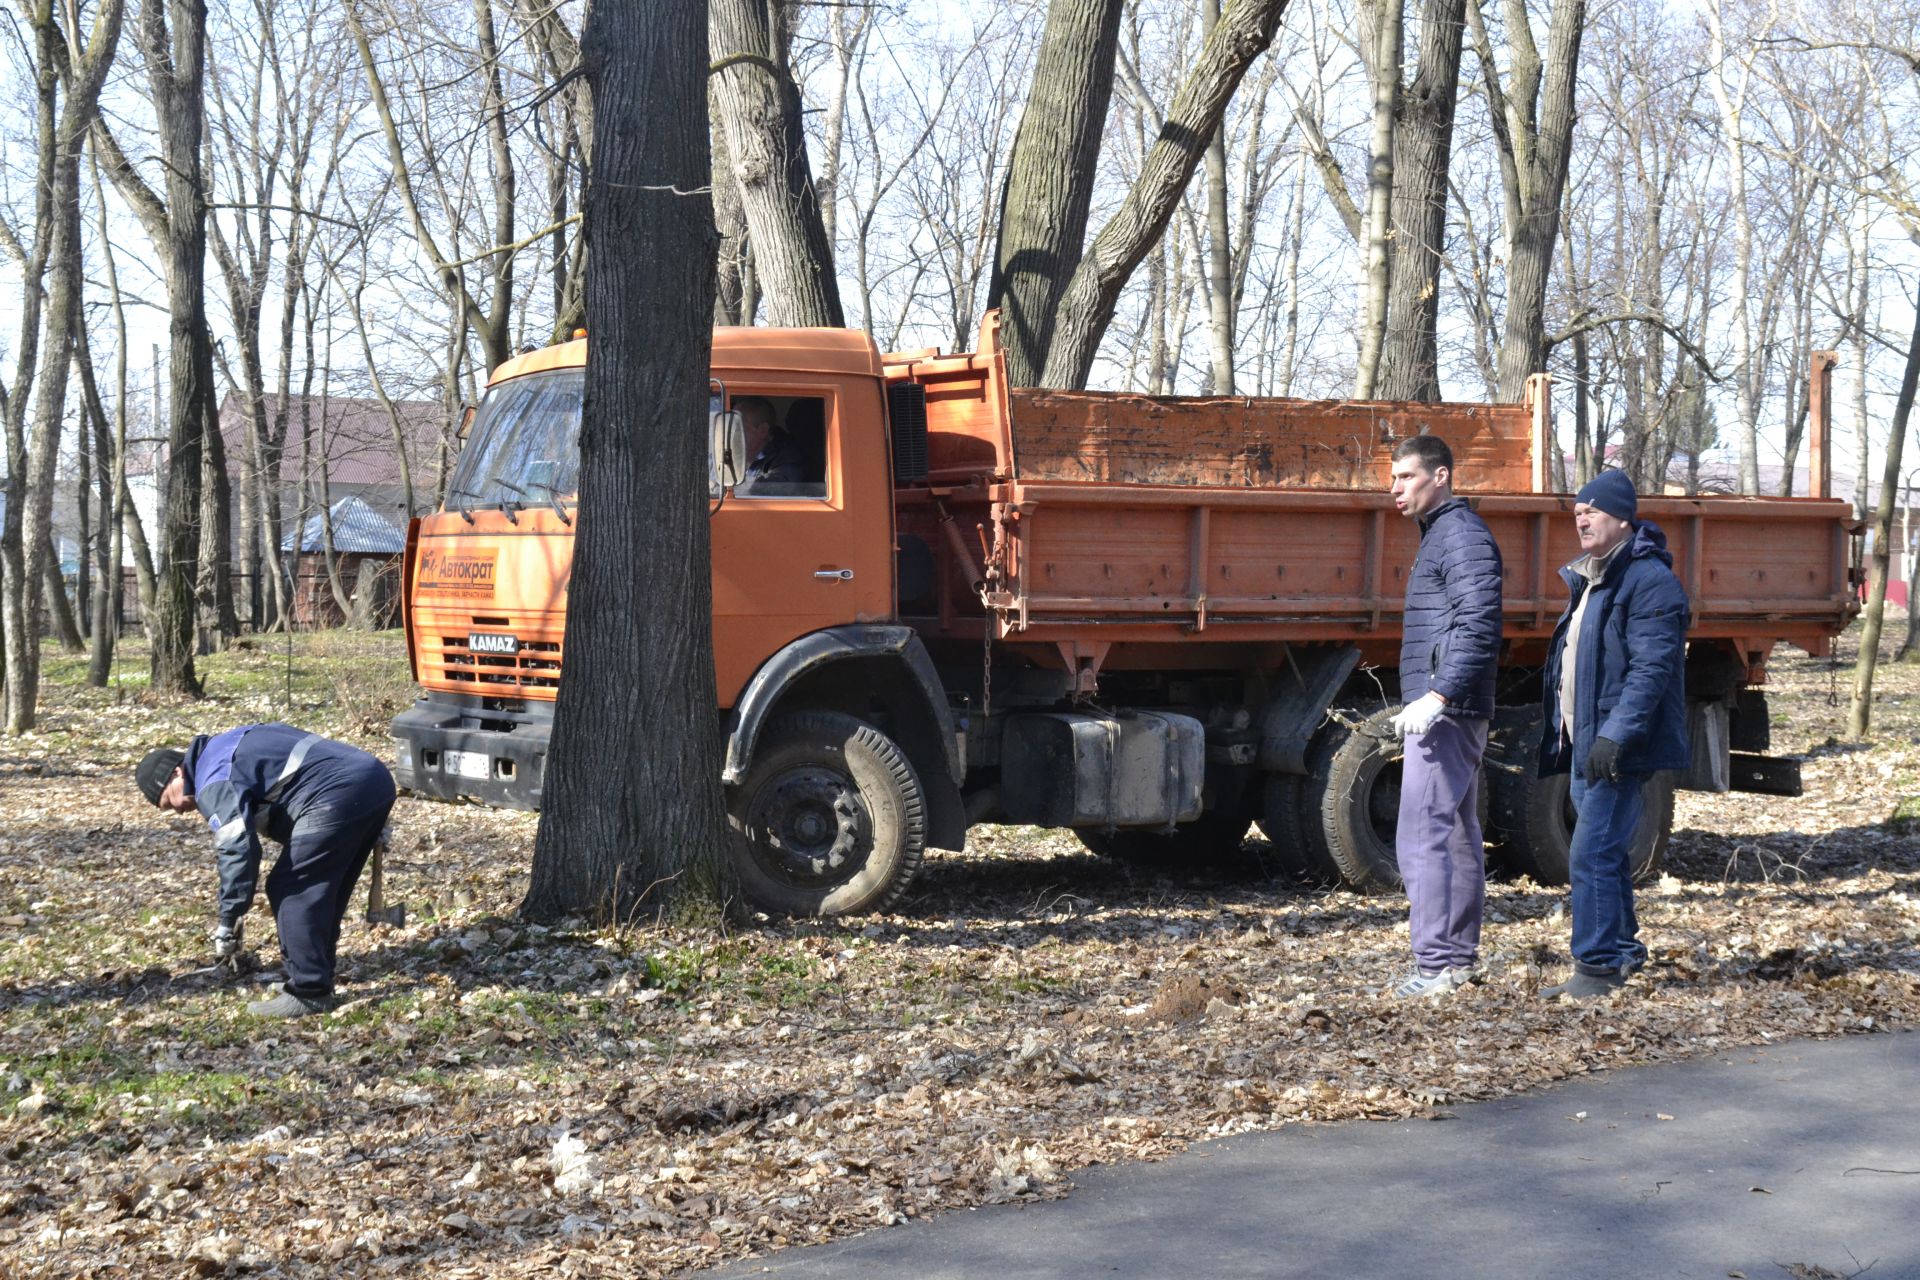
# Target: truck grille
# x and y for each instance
(446, 655)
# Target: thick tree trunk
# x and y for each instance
(1423, 151)
(1050, 177)
(632, 817)
(1860, 710)
(760, 109)
(176, 71)
(1086, 306)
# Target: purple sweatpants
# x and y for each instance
(1443, 858)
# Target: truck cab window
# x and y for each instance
(524, 446)
(786, 446)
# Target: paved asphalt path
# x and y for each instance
(1795, 1160)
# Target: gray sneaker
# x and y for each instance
(1443, 983)
(288, 1005)
(1585, 986)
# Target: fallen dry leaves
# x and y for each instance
(501, 1099)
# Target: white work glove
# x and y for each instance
(1418, 716)
(226, 941)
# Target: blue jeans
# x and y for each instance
(1605, 932)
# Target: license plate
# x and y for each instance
(492, 642)
(467, 764)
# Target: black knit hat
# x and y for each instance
(1611, 492)
(155, 770)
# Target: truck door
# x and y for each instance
(804, 540)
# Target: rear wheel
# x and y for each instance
(1533, 817)
(1354, 775)
(829, 820)
(1283, 813)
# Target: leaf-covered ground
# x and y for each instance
(498, 1099)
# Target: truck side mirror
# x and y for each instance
(727, 451)
(466, 423)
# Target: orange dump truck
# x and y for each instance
(1153, 620)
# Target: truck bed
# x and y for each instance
(1063, 518)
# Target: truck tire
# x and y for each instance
(1533, 816)
(1354, 779)
(830, 819)
(1283, 822)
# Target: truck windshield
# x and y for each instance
(525, 439)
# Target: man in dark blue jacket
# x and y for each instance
(1449, 651)
(326, 803)
(1616, 713)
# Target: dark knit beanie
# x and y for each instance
(155, 770)
(1611, 492)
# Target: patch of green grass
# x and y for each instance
(344, 683)
(87, 1081)
(1905, 818)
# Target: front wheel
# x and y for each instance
(829, 820)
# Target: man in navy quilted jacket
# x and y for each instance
(325, 802)
(1449, 652)
(1616, 713)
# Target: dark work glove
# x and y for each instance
(1603, 761)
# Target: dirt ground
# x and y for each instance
(501, 1099)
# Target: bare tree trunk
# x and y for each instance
(730, 217)
(176, 74)
(1296, 219)
(1749, 366)
(1050, 177)
(1423, 152)
(760, 108)
(66, 626)
(80, 62)
(1086, 307)
(219, 621)
(635, 716)
(1910, 552)
(491, 327)
(1533, 124)
(1860, 709)
(1389, 19)
(112, 448)
(1221, 312)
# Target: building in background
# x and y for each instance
(359, 582)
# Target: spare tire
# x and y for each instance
(1533, 816)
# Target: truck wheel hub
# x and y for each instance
(813, 822)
